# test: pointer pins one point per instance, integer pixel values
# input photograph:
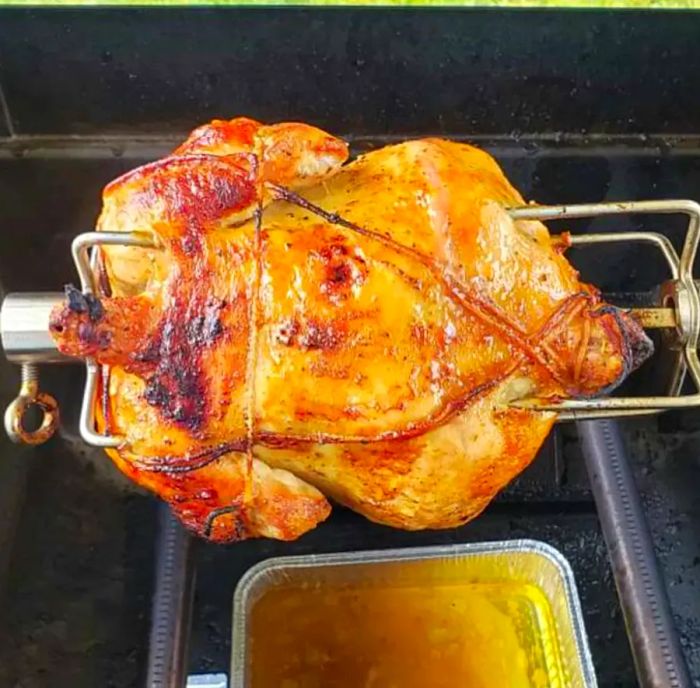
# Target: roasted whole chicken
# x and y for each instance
(308, 328)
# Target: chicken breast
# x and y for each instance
(308, 328)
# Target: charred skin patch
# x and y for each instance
(322, 336)
(149, 353)
(204, 188)
(80, 321)
(205, 329)
(183, 195)
(89, 336)
(107, 330)
(634, 344)
(92, 337)
(339, 274)
(344, 270)
(313, 335)
(83, 303)
(178, 386)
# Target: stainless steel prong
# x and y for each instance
(80, 249)
(681, 309)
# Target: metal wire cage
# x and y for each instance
(680, 308)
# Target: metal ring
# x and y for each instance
(14, 415)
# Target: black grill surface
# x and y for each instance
(76, 606)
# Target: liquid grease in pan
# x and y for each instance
(480, 620)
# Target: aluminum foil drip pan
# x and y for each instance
(501, 613)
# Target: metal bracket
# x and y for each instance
(85, 265)
(682, 301)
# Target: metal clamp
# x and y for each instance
(26, 340)
(681, 311)
(85, 265)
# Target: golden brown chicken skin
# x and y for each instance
(308, 327)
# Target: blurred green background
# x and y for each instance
(617, 4)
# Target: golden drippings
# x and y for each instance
(470, 635)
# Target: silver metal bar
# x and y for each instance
(609, 403)
(83, 263)
(690, 293)
(597, 414)
(24, 328)
(562, 212)
(87, 411)
(691, 357)
(171, 608)
(83, 242)
(654, 641)
(690, 248)
(662, 242)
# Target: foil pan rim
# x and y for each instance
(247, 583)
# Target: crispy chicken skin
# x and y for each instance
(308, 327)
